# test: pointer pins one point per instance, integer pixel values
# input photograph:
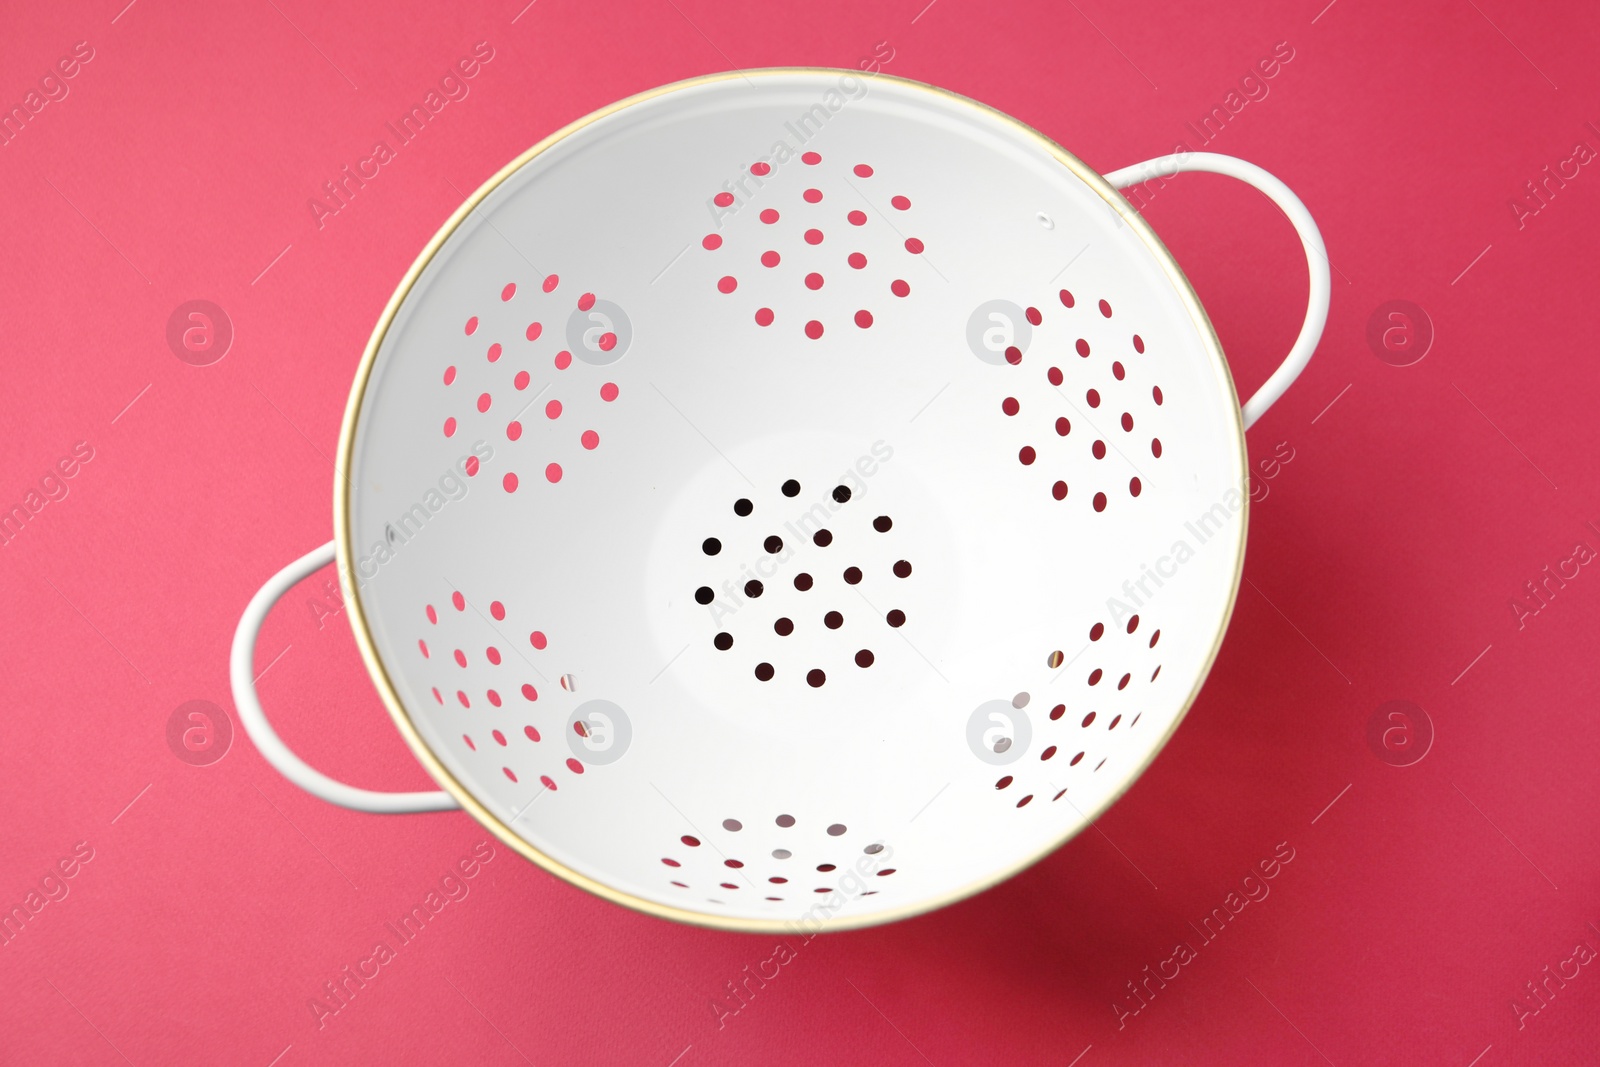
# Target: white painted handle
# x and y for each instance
(1316, 255)
(241, 668)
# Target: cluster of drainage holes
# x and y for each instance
(1055, 659)
(803, 582)
(838, 829)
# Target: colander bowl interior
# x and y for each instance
(791, 497)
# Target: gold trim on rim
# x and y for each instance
(469, 803)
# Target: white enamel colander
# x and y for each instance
(790, 498)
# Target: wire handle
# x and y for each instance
(241, 667)
(1316, 255)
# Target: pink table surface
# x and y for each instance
(1424, 903)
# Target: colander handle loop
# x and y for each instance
(1316, 255)
(241, 670)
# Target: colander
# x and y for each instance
(790, 499)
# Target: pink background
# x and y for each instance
(1381, 565)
